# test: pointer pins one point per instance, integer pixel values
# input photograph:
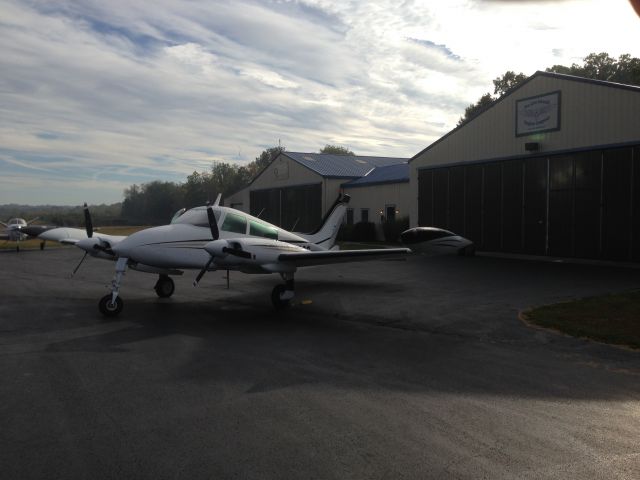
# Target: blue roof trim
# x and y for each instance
(524, 156)
(370, 184)
(397, 173)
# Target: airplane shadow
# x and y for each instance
(246, 342)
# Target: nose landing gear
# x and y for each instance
(111, 305)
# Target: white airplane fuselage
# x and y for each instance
(187, 245)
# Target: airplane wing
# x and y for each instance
(305, 259)
(71, 236)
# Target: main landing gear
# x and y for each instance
(164, 286)
(281, 295)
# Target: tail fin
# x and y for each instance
(325, 236)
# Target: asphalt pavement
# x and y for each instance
(389, 369)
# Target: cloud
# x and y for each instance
(117, 92)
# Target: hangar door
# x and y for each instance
(582, 204)
(297, 208)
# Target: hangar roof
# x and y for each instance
(398, 173)
(342, 166)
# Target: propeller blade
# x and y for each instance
(87, 221)
(213, 225)
(237, 252)
(203, 271)
(78, 266)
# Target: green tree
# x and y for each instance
(265, 158)
(507, 82)
(601, 66)
(336, 150)
(475, 108)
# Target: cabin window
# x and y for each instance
(234, 223)
(262, 230)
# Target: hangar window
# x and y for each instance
(262, 230)
(234, 223)
(364, 215)
(349, 216)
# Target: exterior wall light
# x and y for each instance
(532, 146)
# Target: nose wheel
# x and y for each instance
(164, 286)
(111, 304)
(110, 308)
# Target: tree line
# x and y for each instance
(155, 202)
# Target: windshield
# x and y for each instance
(196, 216)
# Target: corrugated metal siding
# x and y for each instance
(591, 115)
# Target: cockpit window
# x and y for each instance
(178, 214)
(234, 223)
(197, 217)
(261, 230)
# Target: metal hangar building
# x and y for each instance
(296, 189)
(550, 168)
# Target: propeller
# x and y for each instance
(221, 246)
(215, 235)
(87, 221)
(80, 263)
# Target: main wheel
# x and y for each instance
(278, 303)
(164, 286)
(109, 308)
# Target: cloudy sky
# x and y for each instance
(96, 96)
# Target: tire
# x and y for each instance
(109, 309)
(278, 303)
(164, 286)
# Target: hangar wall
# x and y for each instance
(577, 195)
(376, 198)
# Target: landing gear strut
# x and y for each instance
(111, 305)
(164, 286)
(281, 295)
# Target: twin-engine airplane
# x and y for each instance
(215, 237)
(15, 231)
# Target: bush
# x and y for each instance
(364, 232)
(392, 230)
(359, 232)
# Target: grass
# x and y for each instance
(613, 319)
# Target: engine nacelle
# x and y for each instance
(215, 248)
(96, 247)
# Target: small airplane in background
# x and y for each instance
(436, 241)
(219, 238)
(18, 229)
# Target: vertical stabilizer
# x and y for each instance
(325, 236)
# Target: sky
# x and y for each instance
(96, 96)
